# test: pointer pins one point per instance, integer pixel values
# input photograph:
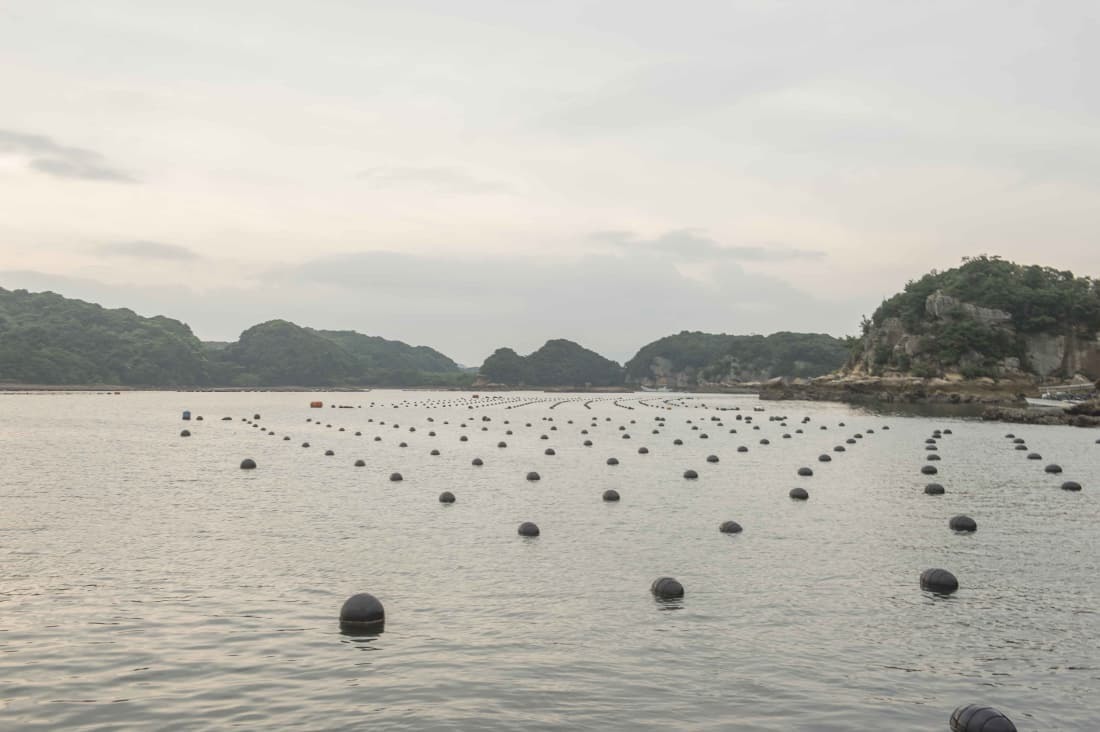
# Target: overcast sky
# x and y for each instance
(469, 174)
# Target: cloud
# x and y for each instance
(437, 179)
(148, 250)
(60, 161)
(694, 245)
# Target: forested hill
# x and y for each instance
(49, 339)
(986, 318)
(691, 359)
(558, 363)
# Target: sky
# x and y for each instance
(483, 173)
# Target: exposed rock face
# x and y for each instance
(891, 347)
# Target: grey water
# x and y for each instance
(149, 583)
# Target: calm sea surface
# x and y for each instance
(149, 583)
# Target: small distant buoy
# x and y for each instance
(1052, 468)
(840, 448)
(677, 441)
(765, 441)
(666, 587)
(477, 461)
(799, 494)
(527, 528)
(825, 458)
(434, 452)
(975, 718)
(362, 611)
(305, 444)
(329, 453)
(502, 444)
(446, 497)
(932, 457)
(286, 437)
(611, 495)
(185, 433)
(549, 451)
(1071, 485)
(643, 450)
(1034, 456)
(360, 463)
(962, 523)
(690, 475)
(730, 527)
(938, 580)
(934, 489)
(248, 464)
(612, 461)
(712, 458)
(588, 443)
(742, 448)
(929, 470)
(805, 472)
(532, 476)
(396, 477)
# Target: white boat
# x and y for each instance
(1048, 403)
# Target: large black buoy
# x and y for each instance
(611, 495)
(1071, 485)
(742, 448)
(329, 453)
(712, 458)
(396, 477)
(1052, 468)
(690, 474)
(666, 588)
(533, 476)
(805, 472)
(976, 718)
(528, 528)
(730, 527)
(360, 463)
(643, 450)
(934, 489)
(825, 458)
(477, 462)
(612, 461)
(305, 444)
(446, 497)
(362, 612)
(588, 443)
(933, 457)
(1034, 456)
(677, 441)
(799, 494)
(938, 580)
(962, 523)
(929, 470)
(248, 464)
(549, 451)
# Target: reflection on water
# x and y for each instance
(149, 583)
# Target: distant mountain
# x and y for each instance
(558, 363)
(49, 339)
(986, 318)
(692, 359)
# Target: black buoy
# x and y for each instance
(742, 448)
(962, 523)
(929, 470)
(666, 588)
(248, 464)
(446, 497)
(611, 495)
(329, 453)
(612, 461)
(588, 443)
(527, 528)
(799, 494)
(933, 457)
(825, 458)
(934, 489)
(362, 612)
(533, 476)
(1034, 456)
(976, 718)
(1071, 485)
(502, 444)
(305, 444)
(477, 461)
(396, 477)
(677, 441)
(549, 451)
(643, 450)
(690, 474)
(712, 458)
(730, 527)
(434, 452)
(1052, 468)
(360, 463)
(938, 580)
(185, 433)
(805, 472)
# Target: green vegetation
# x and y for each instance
(1038, 300)
(557, 363)
(711, 357)
(48, 339)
